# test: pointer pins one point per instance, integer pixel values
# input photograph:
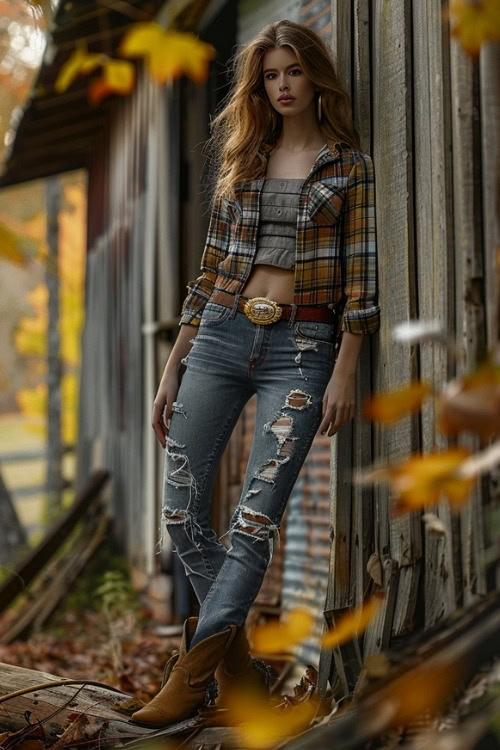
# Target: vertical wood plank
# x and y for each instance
(362, 542)
(489, 64)
(435, 266)
(400, 538)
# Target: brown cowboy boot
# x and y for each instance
(188, 679)
(238, 667)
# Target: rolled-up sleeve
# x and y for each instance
(216, 246)
(361, 311)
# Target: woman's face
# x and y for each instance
(283, 75)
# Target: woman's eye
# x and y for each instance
(295, 70)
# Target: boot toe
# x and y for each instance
(146, 717)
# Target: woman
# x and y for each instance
(289, 264)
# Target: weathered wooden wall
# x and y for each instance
(429, 117)
(116, 356)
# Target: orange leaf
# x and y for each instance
(277, 637)
(353, 623)
(262, 725)
(474, 410)
(98, 90)
(473, 22)
(422, 480)
(423, 690)
(392, 405)
(487, 372)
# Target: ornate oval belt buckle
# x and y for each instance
(262, 310)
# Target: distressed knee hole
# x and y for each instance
(179, 475)
(281, 427)
(258, 526)
(269, 471)
(256, 519)
(174, 516)
(254, 523)
(298, 399)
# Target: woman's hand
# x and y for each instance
(338, 402)
(165, 397)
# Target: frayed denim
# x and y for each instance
(287, 364)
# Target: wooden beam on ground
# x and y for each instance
(57, 579)
(92, 709)
(30, 566)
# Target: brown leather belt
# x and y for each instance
(263, 311)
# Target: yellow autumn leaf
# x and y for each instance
(10, 246)
(92, 61)
(424, 479)
(79, 62)
(392, 405)
(30, 335)
(473, 22)
(422, 691)
(30, 343)
(183, 54)
(260, 724)
(70, 70)
(70, 327)
(33, 401)
(276, 636)
(119, 75)
(38, 298)
(169, 53)
(33, 404)
(141, 38)
(36, 227)
(69, 407)
(353, 623)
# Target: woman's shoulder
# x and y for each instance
(352, 161)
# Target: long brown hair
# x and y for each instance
(248, 126)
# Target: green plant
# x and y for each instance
(118, 604)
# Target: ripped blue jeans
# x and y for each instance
(287, 364)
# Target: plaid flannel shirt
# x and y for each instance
(336, 245)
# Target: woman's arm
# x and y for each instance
(361, 313)
(169, 383)
(347, 359)
(339, 397)
(216, 246)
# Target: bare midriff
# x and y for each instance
(271, 281)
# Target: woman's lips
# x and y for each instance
(287, 101)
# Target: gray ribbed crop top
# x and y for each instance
(276, 236)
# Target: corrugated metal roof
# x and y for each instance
(56, 132)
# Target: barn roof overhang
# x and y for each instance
(56, 131)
